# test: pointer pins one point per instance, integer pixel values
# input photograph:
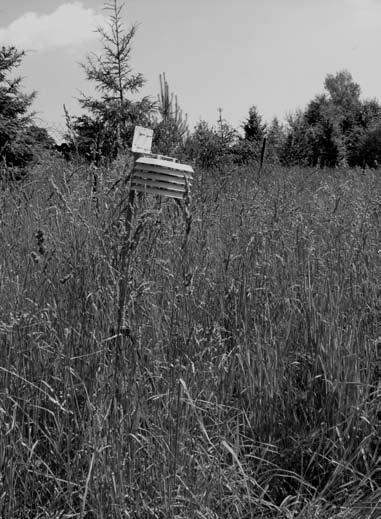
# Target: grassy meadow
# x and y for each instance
(217, 360)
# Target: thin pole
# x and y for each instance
(125, 253)
(262, 154)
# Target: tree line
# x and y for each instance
(337, 128)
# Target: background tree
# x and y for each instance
(371, 147)
(296, 149)
(15, 113)
(364, 145)
(171, 126)
(275, 142)
(227, 135)
(254, 129)
(343, 91)
(206, 147)
(248, 147)
(334, 128)
(345, 107)
(107, 127)
(324, 143)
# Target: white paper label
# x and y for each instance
(142, 141)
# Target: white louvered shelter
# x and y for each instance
(159, 175)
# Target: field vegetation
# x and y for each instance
(236, 376)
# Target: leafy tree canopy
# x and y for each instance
(343, 91)
(336, 127)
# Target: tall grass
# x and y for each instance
(239, 381)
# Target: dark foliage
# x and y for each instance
(247, 149)
(336, 128)
(211, 148)
(22, 142)
(254, 129)
(15, 147)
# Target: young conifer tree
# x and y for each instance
(171, 130)
(275, 141)
(108, 125)
(254, 129)
(15, 113)
(248, 148)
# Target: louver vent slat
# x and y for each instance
(161, 177)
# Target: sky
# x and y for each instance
(232, 54)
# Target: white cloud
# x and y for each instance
(70, 24)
